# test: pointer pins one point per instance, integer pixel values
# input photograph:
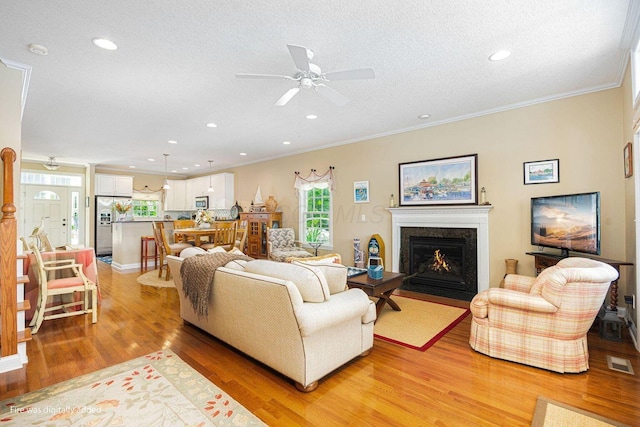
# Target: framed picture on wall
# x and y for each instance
(448, 181)
(542, 172)
(361, 192)
(628, 161)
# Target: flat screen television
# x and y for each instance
(568, 222)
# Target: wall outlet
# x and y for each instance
(630, 299)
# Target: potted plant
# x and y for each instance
(122, 209)
(203, 219)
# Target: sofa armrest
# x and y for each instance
(313, 317)
(517, 282)
(518, 300)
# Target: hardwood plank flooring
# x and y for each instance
(447, 385)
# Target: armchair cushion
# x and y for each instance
(310, 281)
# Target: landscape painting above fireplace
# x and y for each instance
(447, 181)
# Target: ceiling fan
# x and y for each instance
(309, 75)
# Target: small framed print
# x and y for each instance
(542, 172)
(361, 192)
(628, 161)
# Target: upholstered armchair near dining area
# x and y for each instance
(542, 321)
(281, 245)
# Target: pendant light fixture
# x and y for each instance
(210, 189)
(166, 185)
(51, 164)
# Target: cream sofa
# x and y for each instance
(301, 320)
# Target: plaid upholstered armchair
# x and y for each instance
(542, 321)
(281, 245)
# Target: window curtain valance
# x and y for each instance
(314, 180)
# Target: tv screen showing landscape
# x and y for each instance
(568, 222)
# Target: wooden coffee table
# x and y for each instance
(380, 288)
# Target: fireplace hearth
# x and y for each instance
(440, 261)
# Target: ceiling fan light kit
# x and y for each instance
(310, 76)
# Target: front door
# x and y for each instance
(48, 207)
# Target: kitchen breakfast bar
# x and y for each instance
(126, 243)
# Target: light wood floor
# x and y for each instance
(447, 385)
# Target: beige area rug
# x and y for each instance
(549, 413)
(153, 390)
(419, 325)
(150, 278)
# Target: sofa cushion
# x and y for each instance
(336, 274)
(192, 251)
(310, 281)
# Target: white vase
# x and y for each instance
(204, 225)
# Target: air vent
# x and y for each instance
(620, 365)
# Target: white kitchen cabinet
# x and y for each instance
(176, 199)
(183, 193)
(114, 185)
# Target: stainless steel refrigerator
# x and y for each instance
(105, 215)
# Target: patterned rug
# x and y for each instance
(107, 259)
(156, 389)
(549, 413)
(419, 325)
(150, 278)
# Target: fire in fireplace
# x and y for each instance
(439, 264)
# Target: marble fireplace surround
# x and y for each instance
(444, 217)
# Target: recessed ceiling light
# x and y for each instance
(104, 44)
(243, 154)
(212, 125)
(185, 169)
(132, 167)
(174, 171)
(500, 55)
(152, 160)
(424, 116)
(311, 116)
(286, 142)
(38, 49)
(171, 141)
(196, 165)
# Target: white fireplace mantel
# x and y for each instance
(445, 217)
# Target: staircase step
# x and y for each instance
(23, 306)
(23, 279)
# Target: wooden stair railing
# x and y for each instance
(8, 257)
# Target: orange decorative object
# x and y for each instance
(271, 204)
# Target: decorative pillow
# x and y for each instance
(309, 280)
(237, 264)
(215, 249)
(336, 274)
(192, 251)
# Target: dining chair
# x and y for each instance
(165, 248)
(241, 234)
(183, 223)
(58, 278)
(223, 233)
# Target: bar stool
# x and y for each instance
(145, 254)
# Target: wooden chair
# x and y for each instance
(241, 235)
(224, 234)
(165, 248)
(77, 282)
(183, 223)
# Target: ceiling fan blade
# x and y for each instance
(287, 97)
(300, 57)
(332, 95)
(263, 76)
(359, 74)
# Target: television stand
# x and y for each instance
(544, 260)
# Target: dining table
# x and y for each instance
(195, 235)
(84, 256)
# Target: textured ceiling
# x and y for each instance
(174, 71)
